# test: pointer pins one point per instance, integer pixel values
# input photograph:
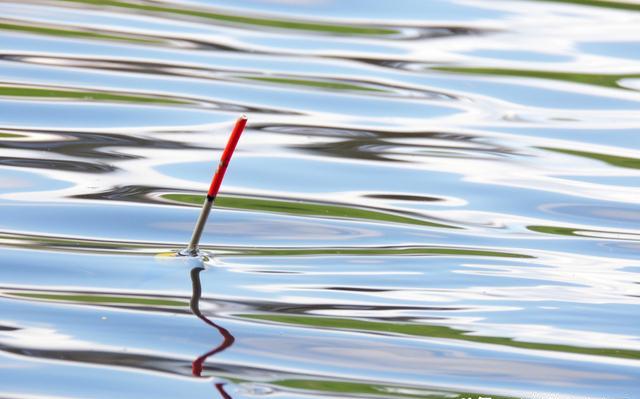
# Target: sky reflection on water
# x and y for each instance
(432, 199)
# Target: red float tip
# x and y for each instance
(226, 157)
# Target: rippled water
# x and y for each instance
(433, 199)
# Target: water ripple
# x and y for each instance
(432, 199)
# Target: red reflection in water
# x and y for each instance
(220, 388)
(227, 338)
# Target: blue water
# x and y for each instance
(432, 199)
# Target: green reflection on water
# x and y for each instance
(70, 33)
(584, 233)
(380, 251)
(435, 331)
(17, 91)
(614, 160)
(315, 83)
(255, 21)
(10, 135)
(86, 298)
(601, 3)
(563, 231)
(302, 208)
(356, 388)
(595, 79)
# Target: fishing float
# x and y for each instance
(216, 182)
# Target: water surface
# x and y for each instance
(432, 199)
